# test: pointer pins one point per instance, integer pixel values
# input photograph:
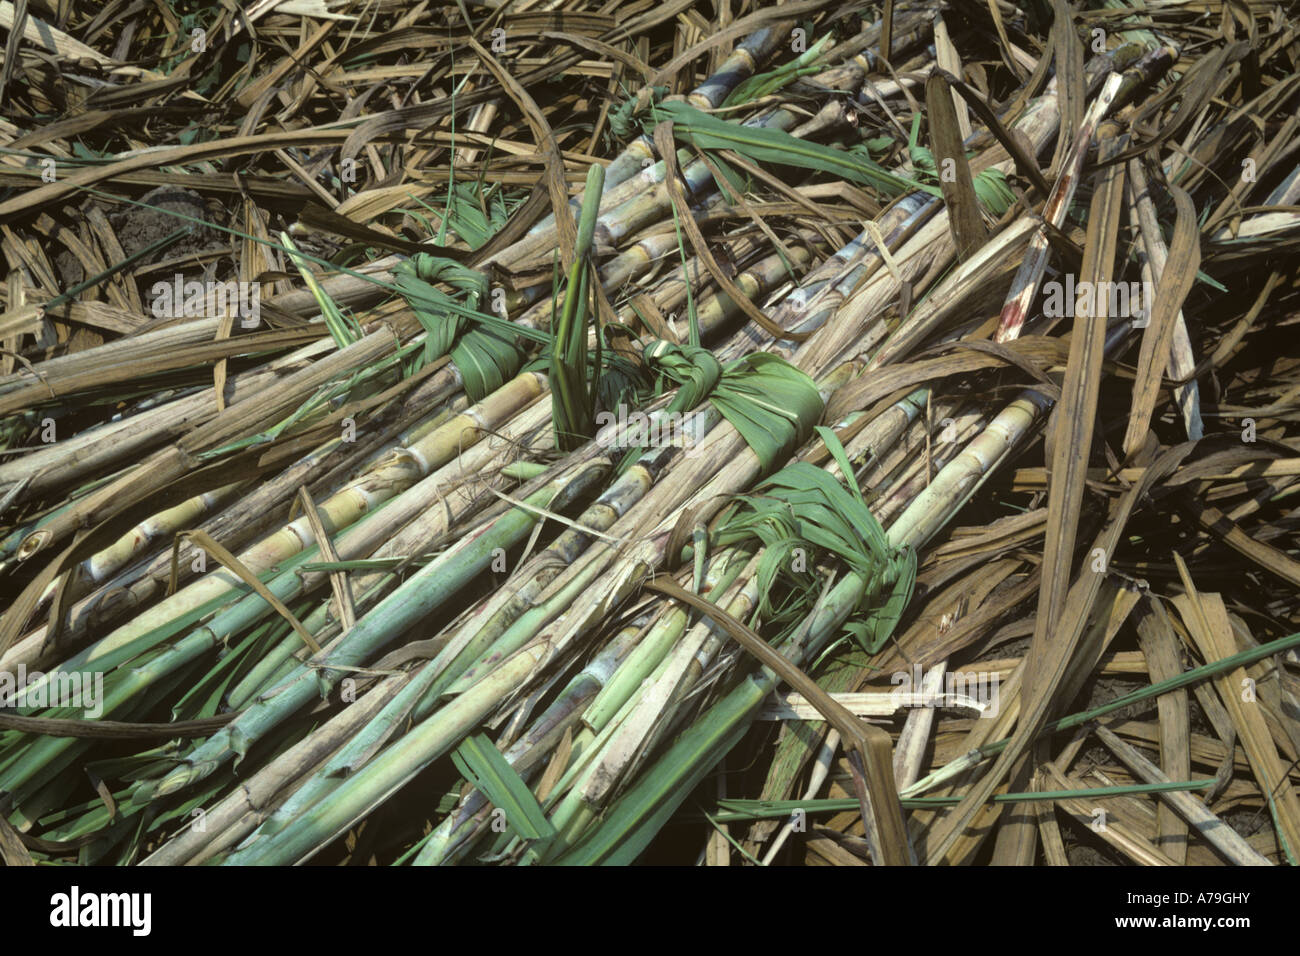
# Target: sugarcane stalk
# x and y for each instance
(739, 65)
(633, 819)
(525, 752)
(397, 472)
(633, 666)
(386, 773)
(894, 539)
(496, 628)
(582, 803)
(544, 646)
(135, 587)
(638, 725)
(418, 597)
(240, 810)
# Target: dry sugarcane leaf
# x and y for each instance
(1172, 288)
(1207, 620)
(1162, 652)
(1153, 256)
(1224, 838)
(237, 568)
(17, 26)
(338, 579)
(1031, 353)
(1025, 164)
(930, 641)
(959, 197)
(1068, 52)
(328, 220)
(1230, 533)
(167, 156)
(780, 18)
(1193, 89)
(606, 50)
(1068, 628)
(226, 326)
(1048, 831)
(1114, 606)
(1004, 42)
(554, 161)
(1121, 835)
(948, 59)
(1076, 416)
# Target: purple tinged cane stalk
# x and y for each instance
(1118, 87)
(1025, 285)
(1038, 121)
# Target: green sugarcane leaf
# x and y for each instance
(481, 763)
(876, 627)
(765, 84)
(692, 369)
(771, 403)
(575, 375)
(430, 307)
(621, 120)
(466, 216)
(484, 347)
(343, 330)
(730, 183)
(738, 809)
(774, 146)
(487, 360)
(803, 506)
(993, 192)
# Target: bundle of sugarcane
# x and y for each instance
(420, 450)
(494, 589)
